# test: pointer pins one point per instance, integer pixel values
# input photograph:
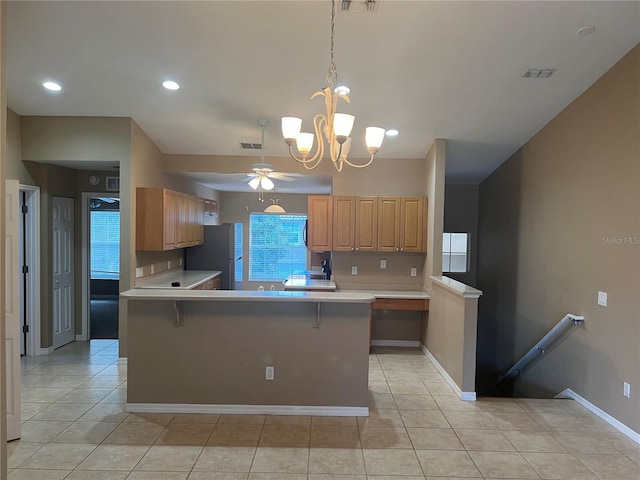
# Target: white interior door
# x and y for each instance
(64, 330)
(12, 309)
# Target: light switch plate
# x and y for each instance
(139, 272)
(602, 299)
(383, 264)
(354, 270)
(626, 390)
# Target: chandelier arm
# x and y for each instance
(314, 161)
(361, 165)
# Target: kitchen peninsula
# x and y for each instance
(193, 351)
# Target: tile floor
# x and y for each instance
(75, 428)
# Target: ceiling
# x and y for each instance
(430, 69)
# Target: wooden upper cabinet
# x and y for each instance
(388, 224)
(366, 224)
(166, 220)
(344, 222)
(319, 237)
(412, 223)
(170, 216)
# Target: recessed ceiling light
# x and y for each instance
(170, 85)
(53, 86)
(392, 132)
(584, 31)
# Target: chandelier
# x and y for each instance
(336, 127)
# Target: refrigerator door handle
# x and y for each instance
(304, 232)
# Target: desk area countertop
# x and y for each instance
(188, 279)
(394, 294)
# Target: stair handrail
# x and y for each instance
(542, 345)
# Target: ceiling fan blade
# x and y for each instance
(287, 177)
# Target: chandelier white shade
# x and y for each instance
(331, 127)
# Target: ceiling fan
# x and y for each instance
(263, 173)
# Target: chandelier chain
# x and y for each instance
(332, 75)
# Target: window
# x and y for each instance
(454, 252)
(105, 244)
(237, 248)
(276, 246)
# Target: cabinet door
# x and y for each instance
(344, 215)
(170, 217)
(182, 223)
(366, 224)
(388, 224)
(320, 223)
(411, 224)
(199, 222)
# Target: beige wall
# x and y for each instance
(460, 216)
(15, 168)
(558, 222)
(3, 152)
(219, 356)
(451, 335)
(79, 139)
(436, 161)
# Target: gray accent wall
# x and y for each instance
(558, 222)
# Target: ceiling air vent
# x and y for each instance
(359, 5)
(539, 73)
(250, 146)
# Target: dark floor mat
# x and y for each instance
(104, 318)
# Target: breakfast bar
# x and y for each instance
(290, 353)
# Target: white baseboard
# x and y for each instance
(396, 343)
(122, 361)
(45, 351)
(466, 396)
(618, 425)
(248, 409)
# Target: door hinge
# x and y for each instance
(25, 269)
(25, 329)
(25, 209)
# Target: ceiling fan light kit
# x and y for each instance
(336, 127)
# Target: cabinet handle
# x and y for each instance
(357, 249)
(402, 249)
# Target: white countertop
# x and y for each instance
(188, 279)
(404, 294)
(301, 282)
(456, 287)
(175, 294)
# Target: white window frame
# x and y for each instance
(448, 251)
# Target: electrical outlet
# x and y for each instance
(180, 261)
(139, 272)
(414, 271)
(626, 390)
(269, 373)
(383, 264)
(602, 299)
(168, 264)
(153, 269)
(354, 270)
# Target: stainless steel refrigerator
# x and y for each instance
(216, 253)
